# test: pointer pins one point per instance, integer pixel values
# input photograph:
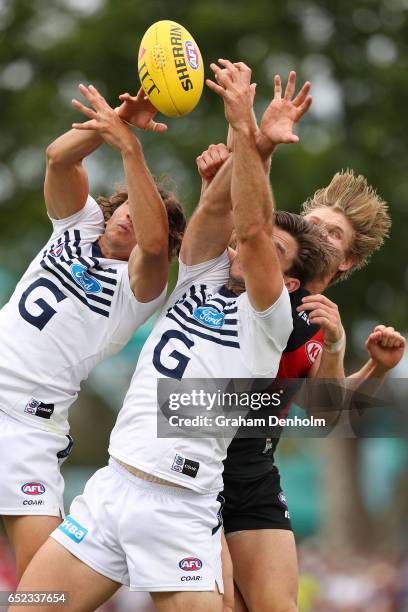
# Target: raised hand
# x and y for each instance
(234, 86)
(102, 119)
(282, 114)
(139, 111)
(385, 346)
(325, 313)
(211, 160)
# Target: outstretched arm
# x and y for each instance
(148, 262)
(209, 230)
(66, 181)
(385, 348)
(253, 224)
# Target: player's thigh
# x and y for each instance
(54, 568)
(227, 576)
(266, 568)
(27, 534)
(199, 601)
(239, 603)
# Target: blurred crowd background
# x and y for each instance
(348, 498)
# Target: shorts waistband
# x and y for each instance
(136, 480)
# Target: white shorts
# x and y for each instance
(149, 536)
(30, 459)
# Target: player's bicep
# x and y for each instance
(147, 274)
(65, 189)
(261, 269)
(206, 236)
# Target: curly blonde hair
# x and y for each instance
(363, 208)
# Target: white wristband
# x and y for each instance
(336, 347)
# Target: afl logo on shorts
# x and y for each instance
(313, 350)
(190, 564)
(282, 498)
(33, 488)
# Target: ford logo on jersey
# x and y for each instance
(80, 276)
(190, 564)
(210, 317)
(33, 488)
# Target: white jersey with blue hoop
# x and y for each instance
(71, 308)
(205, 331)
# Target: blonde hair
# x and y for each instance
(366, 212)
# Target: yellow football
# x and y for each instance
(171, 68)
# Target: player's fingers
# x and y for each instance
(152, 126)
(379, 328)
(322, 321)
(321, 299)
(302, 95)
(252, 87)
(228, 65)
(243, 69)
(388, 336)
(215, 87)
(278, 86)
(375, 336)
(88, 112)
(87, 125)
(319, 312)
(309, 306)
(303, 108)
(290, 139)
(215, 153)
(290, 86)
(224, 152)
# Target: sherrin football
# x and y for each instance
(171, 68)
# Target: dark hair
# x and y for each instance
(175, 214)
(315, 257)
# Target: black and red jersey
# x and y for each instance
(251, 457)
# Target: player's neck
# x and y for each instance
(317, 286)
(110, 252)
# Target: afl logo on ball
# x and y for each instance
(33, 488)
(313, 350)
(190, 564)
(191, 54)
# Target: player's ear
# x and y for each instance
(291, 283)
(346, 264)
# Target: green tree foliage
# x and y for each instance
(354, 52)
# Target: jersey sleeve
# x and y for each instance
(90, 217)
(214, 271)
(129, 312)
(263, 335)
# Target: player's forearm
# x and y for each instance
(72, 147)
(216, 198)
(331, 365)
(265, 147)
(369, 370)
(147, 210)
(251, 197)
